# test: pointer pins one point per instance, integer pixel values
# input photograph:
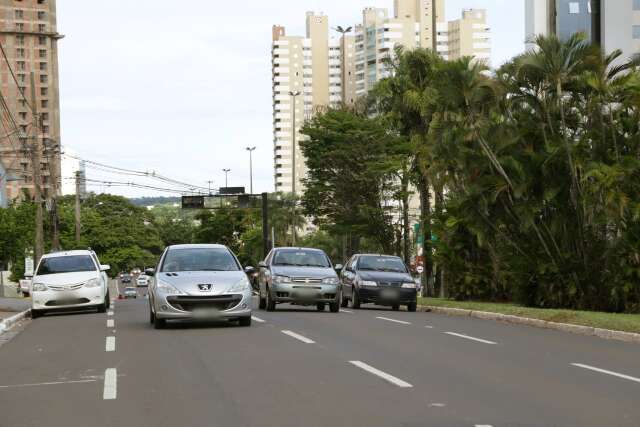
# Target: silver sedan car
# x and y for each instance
(199, 282)
(299, 276)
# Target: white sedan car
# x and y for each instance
(142, 280)
(66, 280)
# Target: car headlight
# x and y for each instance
(409, 285)
(368, 283)
(241, 286)
(38, 287)
(281, 279)
(168, 289)
(93, 283)
(330, 281)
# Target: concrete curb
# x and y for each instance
(565, 327)
(6, 324)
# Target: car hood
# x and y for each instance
(307, 272)
(385, 276)
(65, 278)
(188, 281)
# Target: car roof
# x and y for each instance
(297, 249)
(67, 253)
(198, 246)
(380, 255)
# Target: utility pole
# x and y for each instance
(209, 182)
(251, 150)
(294, 95)
(78, 208)
(226, 177)
(266, 245)
(37, 180)
(53, 149)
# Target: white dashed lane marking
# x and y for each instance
(110, 313)
(604, 371)
(110, 344)
(257, 319)
(394, 320)
(110, 323)
(299, 337)
(467, 337)
(387, 377)
(110, 384)
(346, 311)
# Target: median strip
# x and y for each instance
(394, 320)
(387, 377)
(110, 384)
(604, 371)
(467, 337)
(299, 337)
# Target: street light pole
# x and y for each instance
(226, 177)
(251, 150)
(344, 32)
(209, 182)
(294, 95)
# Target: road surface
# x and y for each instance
(297, 367)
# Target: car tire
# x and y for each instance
(396, 307)
(334, 307)
(245, 321)
(25, 294)
(320, 306)
(102, 308)
(262, 302)
(355, 300)
(344, 302)
(159, 323)
(412, 306)
(36, 313)
(271, 304)
(107, 301)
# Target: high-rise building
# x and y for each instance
(29, 37)
(307, 75)
(468, 36)
(614, 24)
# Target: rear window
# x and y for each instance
(199, 259)
(66, 264)
(301, 258)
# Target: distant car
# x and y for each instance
(72, 279)
(300, 276)
(378, 279)
(142, 280)
(125, 278)
(136, 271)
(130, 292)
(199, 282)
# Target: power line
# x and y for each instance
(128, 184)
(13, 75)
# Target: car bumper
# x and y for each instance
(52, 300)
(387, 296)
(224, 307)
(305, 294)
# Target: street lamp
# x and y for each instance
(294, 95)
(226, 177)
(344, 32)
(251, 150)
(209, 182)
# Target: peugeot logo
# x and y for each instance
(205, 287)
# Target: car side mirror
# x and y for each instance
(249, 270)
(339, 267)
(150, 272)
(262, 264)
(105, 267)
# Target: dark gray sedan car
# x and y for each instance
(300, 276)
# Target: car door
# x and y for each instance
(348, 277)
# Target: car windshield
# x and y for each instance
(382, 263)
(301, 258)
(199, 259)
(130, 289)
(66, 264)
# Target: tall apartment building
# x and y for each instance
(614, 24)
(309, 66)
(468, 36)
(29, 37)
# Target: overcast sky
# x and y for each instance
(183, 87)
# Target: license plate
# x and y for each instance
(205, 313)
(389, 293)
(307, 293)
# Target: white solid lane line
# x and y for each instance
(110, 384)
(483, 425)
(299, 337)
(110, 344)
(604, 371)
(49, 383)
(110, 323)
(390, 378)
(257, 319)
(394, 320)
(346, 311)
(470, 338)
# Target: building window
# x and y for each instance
(44, 91)
(41, 1)
(42, 28)
(20, 52)
(19, 39)
(23, 116)
(574, 7)
(45, 103)
(636, 32)
(19, 26)
(43, 78)
(21, 65)
(19, 14)
(45, 129)
(43, 53)
(22, 78)
(41, 15)
(42, 40)
(45, 116)
(43, 66)
(636, 4)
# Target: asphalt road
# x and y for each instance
(297, 367)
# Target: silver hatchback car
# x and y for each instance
(199, 282)
(299, 276)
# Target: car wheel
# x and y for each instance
(107, 301)
(245, 321)
(396, 307)
(262, 302)
(159, 323)
(412, 306)
(271, 304)
(36, 313)
(320, 306)
(25, 294)
(152, 317)
(334, 307)
(102, 308)
(355, 300)
(344, 302)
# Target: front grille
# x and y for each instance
(65, 287)
(282, 294)
(305, 280)
(73, 301)
(216, 302)
(390, 284)
(329, 296)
